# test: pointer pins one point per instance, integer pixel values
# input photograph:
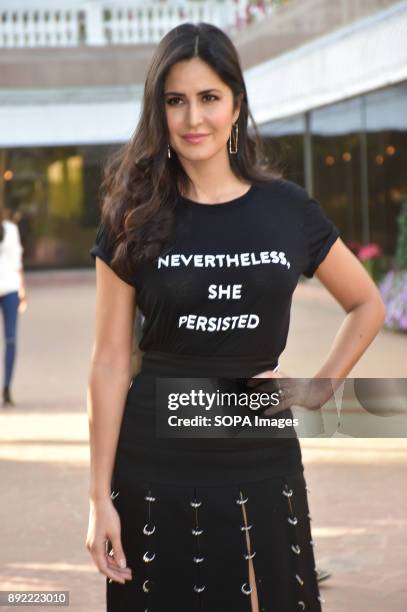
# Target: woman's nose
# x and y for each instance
(194, 115)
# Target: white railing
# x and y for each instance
(42, 27)
(39, 23)
(124, 25)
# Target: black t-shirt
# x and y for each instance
(224, 287)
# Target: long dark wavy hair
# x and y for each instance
(141, 183)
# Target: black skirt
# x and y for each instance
(196, 514)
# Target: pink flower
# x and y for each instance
(369, 251)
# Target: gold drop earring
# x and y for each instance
(236, 138)
(168, 151)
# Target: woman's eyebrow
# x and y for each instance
(178, 93)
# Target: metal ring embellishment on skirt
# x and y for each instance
(149, 555)
(295, 548)
(251, 577)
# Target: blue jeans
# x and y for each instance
(9, 305)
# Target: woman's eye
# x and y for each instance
(171, 101)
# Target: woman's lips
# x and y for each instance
(195, 139)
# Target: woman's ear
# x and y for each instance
(237, 109)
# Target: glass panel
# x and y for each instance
(53, 192)
(336, 164)
(386, 120)
(284, 142)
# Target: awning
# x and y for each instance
(368, 54)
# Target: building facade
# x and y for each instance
(332, 109)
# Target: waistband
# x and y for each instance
(176, 364)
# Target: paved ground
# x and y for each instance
(358, 495)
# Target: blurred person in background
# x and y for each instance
(12, 294)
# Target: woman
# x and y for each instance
(12, 296)
(210, 245)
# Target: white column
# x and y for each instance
(94, 25)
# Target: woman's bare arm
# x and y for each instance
(110, 373)
(109, 382)
(349, 283)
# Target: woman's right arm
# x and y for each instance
(109, 380)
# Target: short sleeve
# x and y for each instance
(12, 247)
(320, 234)
(102, 246)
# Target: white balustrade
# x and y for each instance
(46, 23)
(40, 27)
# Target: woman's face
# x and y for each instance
(197, 101)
